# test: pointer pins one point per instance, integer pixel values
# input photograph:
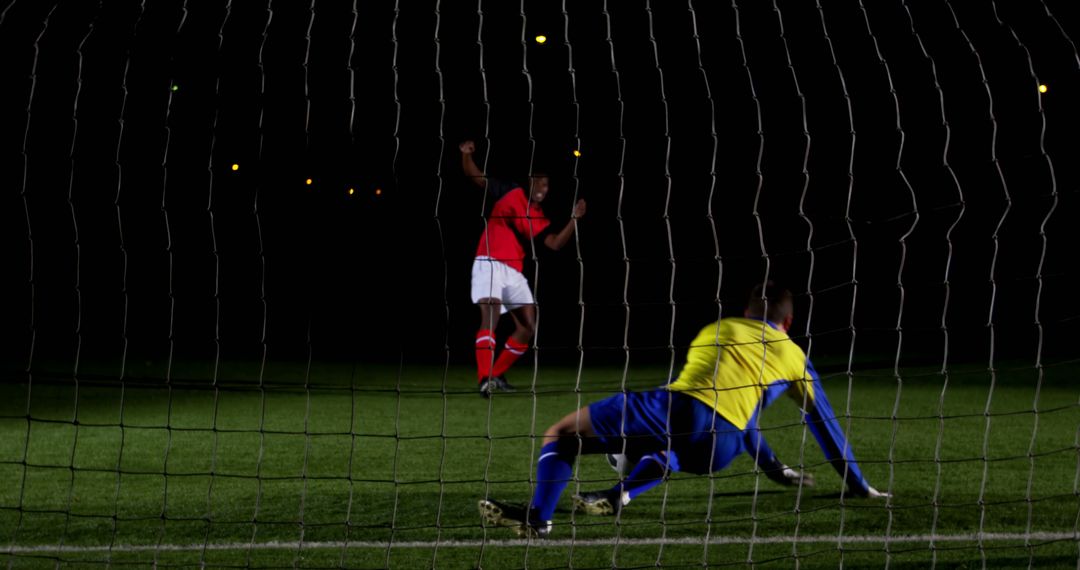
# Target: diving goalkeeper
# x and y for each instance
(697, 424)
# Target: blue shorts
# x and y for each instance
(701, 440)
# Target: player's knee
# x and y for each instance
(570, 427)
(553, 433)
(569, 445)
(560, 431)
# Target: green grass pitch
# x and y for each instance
(373, 467)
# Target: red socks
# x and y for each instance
(512, 350)
(485, 352)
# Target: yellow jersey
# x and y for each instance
(733, 363)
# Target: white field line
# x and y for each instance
(556, 543)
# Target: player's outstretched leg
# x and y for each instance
(524, 522)
(563, 442)
(649, 472)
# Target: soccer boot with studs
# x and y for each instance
(489, 386)
(604, 503)
(517, 519)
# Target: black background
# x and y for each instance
(938, 195)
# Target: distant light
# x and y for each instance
(577, 153)
(352, 191)
(235, 166)
(308, 182)
(541, 39)
(378, 191)
(1043, 88)
(175, 87)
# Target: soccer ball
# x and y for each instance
(620, 463)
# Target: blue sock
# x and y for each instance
(553, 471)
(648, 473)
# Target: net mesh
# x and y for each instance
(237, 242)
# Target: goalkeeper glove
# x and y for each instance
(790, 477)
(871, 493)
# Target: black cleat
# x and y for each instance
(489, 386)
(599, 503)
(516, 519)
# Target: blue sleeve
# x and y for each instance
(759, 449)
(754, 440)
(830, 436)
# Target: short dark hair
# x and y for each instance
(771, 301)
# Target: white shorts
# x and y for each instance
(498, 280)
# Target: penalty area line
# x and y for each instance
(548, 543)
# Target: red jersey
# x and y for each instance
(512, 215)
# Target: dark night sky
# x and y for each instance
(140, 231)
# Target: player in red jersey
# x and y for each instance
(498, 285)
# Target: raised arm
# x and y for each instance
(468, 165)
(556, 241)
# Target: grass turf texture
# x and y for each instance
(372, 456)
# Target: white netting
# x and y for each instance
(238, 241)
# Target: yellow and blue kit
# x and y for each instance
(735, 368)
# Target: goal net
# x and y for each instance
(238, 240)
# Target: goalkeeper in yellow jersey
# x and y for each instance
(698, 423)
